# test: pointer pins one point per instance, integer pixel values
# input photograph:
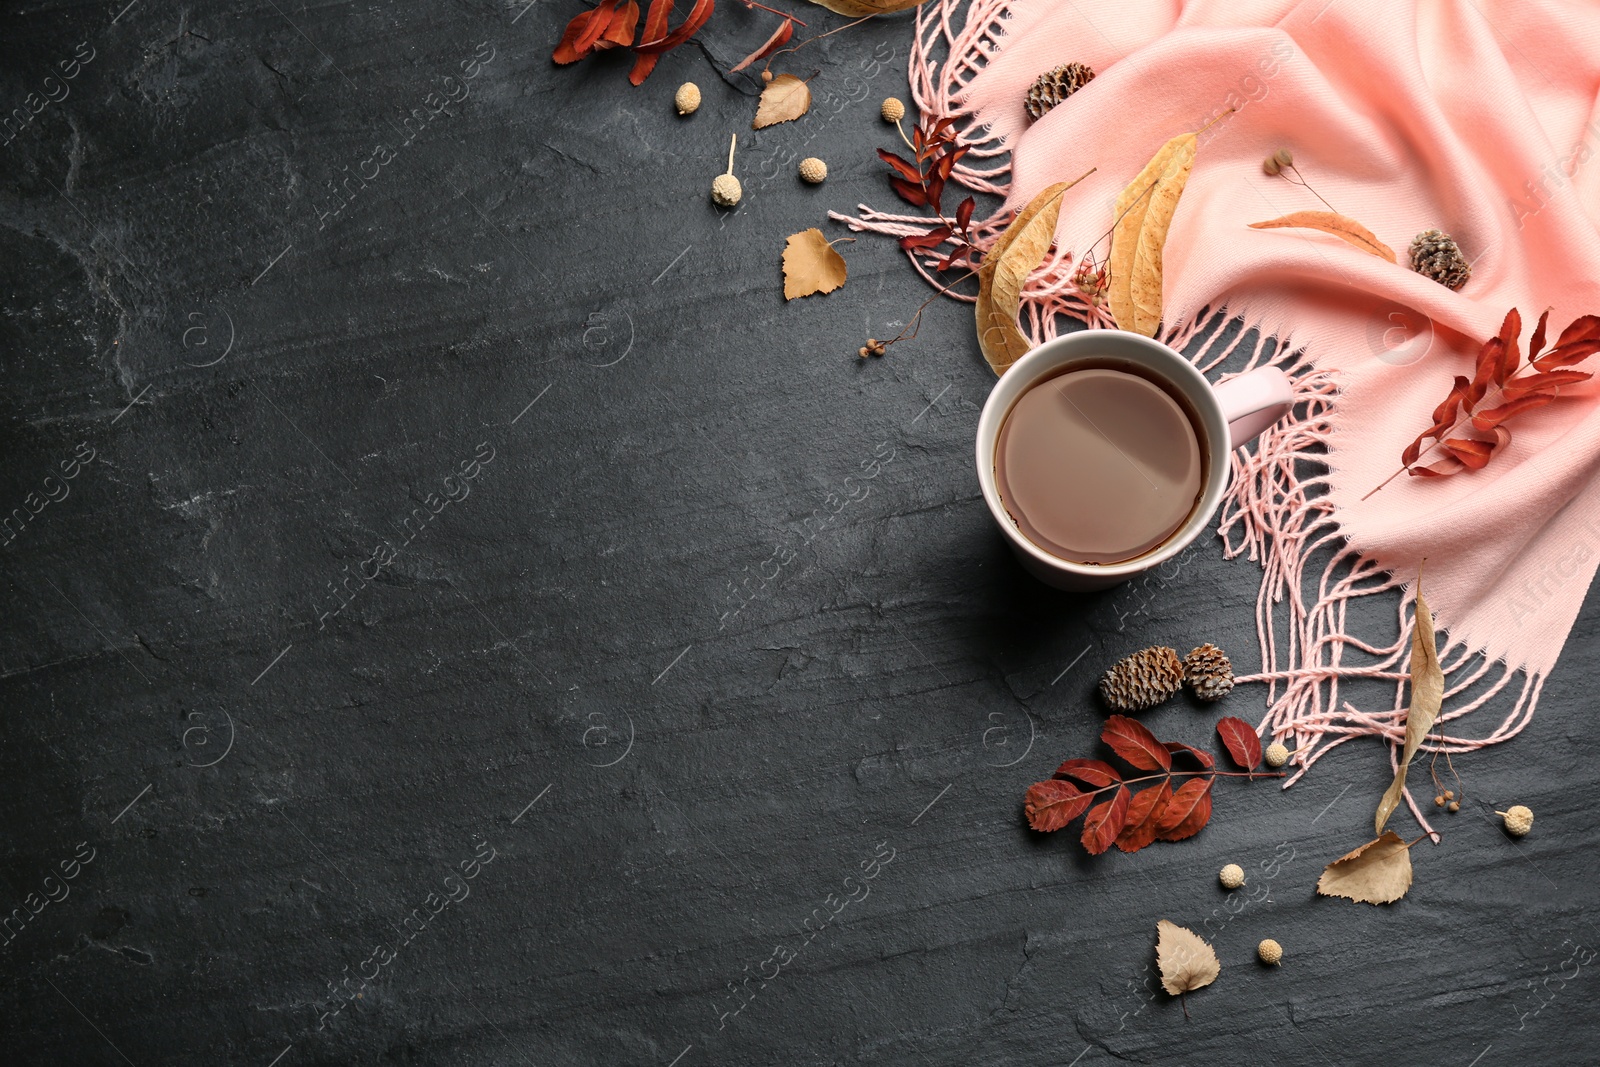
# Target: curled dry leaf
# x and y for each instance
(1019, 250)
(779, 38)
(1241, 741)
(862, 8)
(1427, 694)
(811, 265)
(1379, 872)
(1346, 229)
(1185, 960)
(784, 99)
(1139, 237)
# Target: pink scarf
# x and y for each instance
(1475, 117)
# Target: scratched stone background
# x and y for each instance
(459, 613)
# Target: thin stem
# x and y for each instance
(1118, 219)
(903, 138)
(1307, 186)
(818, 37)
(731, 146)
(775, 11)
(1188, 774)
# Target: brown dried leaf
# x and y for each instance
(1020, 249)
(1144, 215)
(1346, 229)
(1186, 962)
(784, 99)
(862, 8)
(810, 265)
(1379, 872)
(1427, 694)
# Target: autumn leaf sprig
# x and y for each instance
(1131, 820)
(616, 24)
(1469, 426)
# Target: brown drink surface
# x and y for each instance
(1098, 465)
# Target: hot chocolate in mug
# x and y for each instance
(1127, 422)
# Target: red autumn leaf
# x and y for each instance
(1105, 821)
(598, 24)
(619, 31)
(567, 48)
(1187, 811)
(1488, 420)
(907, 171)
(1240, 739)
(1051, 805)
(655, 24)
(1445, 467)
(1489, 357)
(779, 38)
(1089, 771)
(1511, 352)
(936, 193)
(1568, 354)
(1583, 328)
(1136, 744)
(949, 261)
(1474, 455)
(1536, 345)
(1144, 814)
(1529, 384)
(690, 26)
(932, 239)
(1201, 756)
(914, 195)
(964, 213)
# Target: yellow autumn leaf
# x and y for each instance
(1185, 960)
(1379, 872)
(1139, 236)
(1346, 229)
(1427, 695)
(811, 265)
(862, 8)
(784, 99)
(1017, 253)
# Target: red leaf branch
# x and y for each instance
(615, 24)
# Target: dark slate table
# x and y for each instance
(447, 649)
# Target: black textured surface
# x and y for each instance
(721, 618)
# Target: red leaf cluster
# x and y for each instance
(921, 184)
(615, 24)
(1468, 430)
(1117, 815)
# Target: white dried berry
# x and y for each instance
(687, 101)
(1231, 876)
(813, 170)
(1276, 755)
(1518, 819)
(1270, 951)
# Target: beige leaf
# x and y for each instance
(1427, 694)
(1379, 872)
(862, 8)
(1345, 229)
(1020, 249)
(1139, 236)
(811, 265)
(1185, 960)
(784, 99)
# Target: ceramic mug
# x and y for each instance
(1230, 415)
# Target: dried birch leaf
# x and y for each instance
(1346, 229)
(1427, 693)
(811, 265)
(1379, 872)
(862, 8)
(1186, 962)
(784, 99)
(1138, 240)
(1020, 249)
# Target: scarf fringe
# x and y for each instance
(1273, 513)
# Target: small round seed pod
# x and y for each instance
(1518, 819)
(725, 188)
(1284, 157)
(1455, 806)
(1276, 755)
(766, 75)
(1271, 166)
(893, 109)
(1270, 951)
(1231, 876)
(1449, 794)
(687, 100)
(813, 170)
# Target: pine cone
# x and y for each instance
(1208, 672)
(1143, 680)
(1054, 86)
(1435, 254)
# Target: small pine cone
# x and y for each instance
(1143, 680)
(1208, 672)
(1435, 254)
(1054, 86)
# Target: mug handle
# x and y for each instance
(1254, 401)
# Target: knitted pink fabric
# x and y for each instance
(1476, 117)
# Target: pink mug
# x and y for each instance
(1231, 414)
